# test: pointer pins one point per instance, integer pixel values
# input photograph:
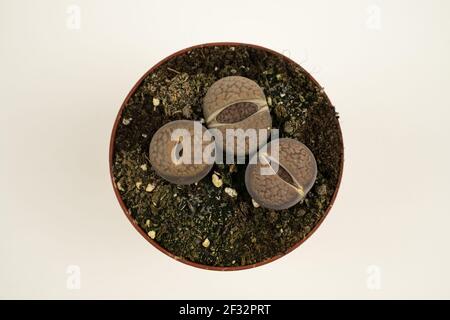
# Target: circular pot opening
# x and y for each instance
(215, 224)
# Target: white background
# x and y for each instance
(384, 64)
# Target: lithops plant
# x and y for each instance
(279, 182)
(173, 151)
(237, 103)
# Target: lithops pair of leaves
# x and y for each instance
(239, 104)
(177, 152)
(281, 175)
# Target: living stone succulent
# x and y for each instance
(288, 177)
(237, 102)
(168, 152)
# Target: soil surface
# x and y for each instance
(207, 223)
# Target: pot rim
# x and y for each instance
(126, 210)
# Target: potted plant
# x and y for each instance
(217, 220)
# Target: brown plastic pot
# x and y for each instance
(142, 232)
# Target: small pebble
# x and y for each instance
(152, 234)
(155, 102)
(206, 243)
(144, 167)
(144, 135)
(255, 204)
(279, 76)
(269, 101)
(119, 186)
(126, 121)
(216, 180)
(231, 192)
(138, 185)
(150, 187)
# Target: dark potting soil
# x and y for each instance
(204, 223)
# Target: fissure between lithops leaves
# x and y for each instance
(178, 151)
(293, 184)
(241, 109)
(212, 120)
